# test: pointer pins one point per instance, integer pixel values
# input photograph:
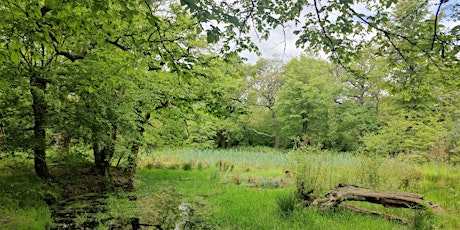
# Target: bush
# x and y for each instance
(187, 166)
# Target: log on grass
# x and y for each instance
(344, 192)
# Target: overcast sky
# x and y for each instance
(282, 44)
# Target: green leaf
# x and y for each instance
(389, 4)
(234, 20)
(90, 89)
(15, 58)
(212, 36)
(153, 20)
(191, 4)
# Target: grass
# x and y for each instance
(250, 194)
(22, 204)
(232, 206)
(249, 188)
(246, 158)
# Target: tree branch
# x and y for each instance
(74, 57)
(436, 23)
(262, 133)
(251, 11)
(385, 33)
(322, 27)
(115, 43)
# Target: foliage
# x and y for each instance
(111, 80)
(97, 82)
(264, 80)
(307, 100)
(339, 28)
(424, 220)
(89, 79)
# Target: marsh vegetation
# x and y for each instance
(190, 189)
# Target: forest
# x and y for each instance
(98, 96)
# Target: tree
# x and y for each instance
(306, 100)
(362, 88)
(264, 80)
(419, 81)
(336, 27)
(217, 104)
(364, 78)
(50, 45)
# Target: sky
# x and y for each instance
(281, 44)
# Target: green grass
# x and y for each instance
(247, 195)
(232, 206)
(22, 196)
(259, 158)
(244, 189)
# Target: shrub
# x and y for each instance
(187, 166)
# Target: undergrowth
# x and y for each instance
(240, 189)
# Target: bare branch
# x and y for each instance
(262, 133)
(436, 23)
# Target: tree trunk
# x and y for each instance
(392, 199)
(62, 144)
(102, 159)
(103, 152)
(277, 140)
(104, 155)
(37, 89)
(276, 134)
(132, 159)
(99, 159)
(304, 123)
(223, 139)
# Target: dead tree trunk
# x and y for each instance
(391, 199)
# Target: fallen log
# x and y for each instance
(344, 192)
(389, 199)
